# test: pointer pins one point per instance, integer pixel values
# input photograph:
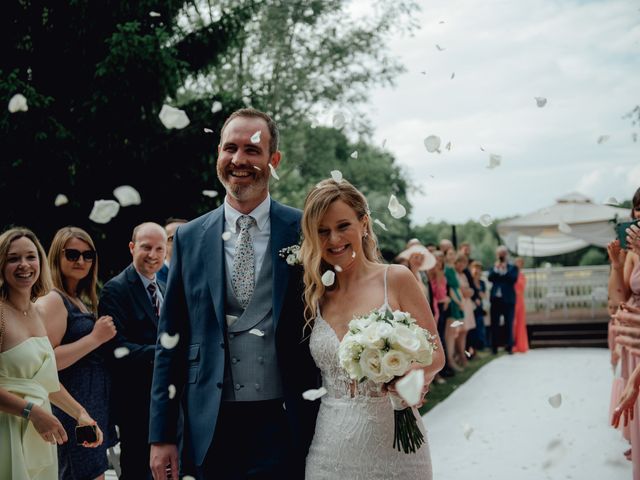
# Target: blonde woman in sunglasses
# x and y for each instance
(76, 335)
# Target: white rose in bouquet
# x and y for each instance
(384, 330)
(405, 339)
(349, 356)
(359, 324)
(370, 337)
(371, 365)
(395, 363)
(424, 355)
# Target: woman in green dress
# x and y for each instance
(455, 313)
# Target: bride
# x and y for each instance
(355, 426)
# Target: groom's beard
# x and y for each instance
(244, 192)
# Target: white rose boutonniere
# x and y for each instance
(291, 255)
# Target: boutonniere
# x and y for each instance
(291, 255)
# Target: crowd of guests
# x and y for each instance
(624, 335)
(456, 288)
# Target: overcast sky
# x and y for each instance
(583, 56)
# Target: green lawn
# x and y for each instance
(438, 393)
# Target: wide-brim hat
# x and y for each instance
(429, 260)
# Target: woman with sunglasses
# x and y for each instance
(28, 375)
(75, 334)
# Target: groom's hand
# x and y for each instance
(163, 461)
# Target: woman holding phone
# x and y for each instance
(29, 431)
(75, 334)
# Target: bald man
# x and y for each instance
(133, 298)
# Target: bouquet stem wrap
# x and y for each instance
(407, 436)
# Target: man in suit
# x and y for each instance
(240, 365)
(133, 299)
(171, 225)
(503, 278)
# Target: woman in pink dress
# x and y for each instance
(520, 338)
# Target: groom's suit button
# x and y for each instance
(260, 360)
(238, 386)
(219, 384)
(231, 335)
(221, 344)
(234, 360)
(257, 386)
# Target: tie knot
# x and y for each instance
(246, 222)
(152, 287)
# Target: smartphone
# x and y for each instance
(86, 433)
(621, 231)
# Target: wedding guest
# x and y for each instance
(468, 307)
(133, 299)
(480, 293)
(29, 382)
(446, 245)
(503, 277)
(440, 289)
(75, 335)
(455, 312)
(520, 338)
(171, 225)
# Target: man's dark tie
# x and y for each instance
(155, 301)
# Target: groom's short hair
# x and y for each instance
(271, 124)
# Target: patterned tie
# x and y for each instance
(243, 263)
(155, 301)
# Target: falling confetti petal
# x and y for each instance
(256, 332)
(339, 120)
(439, 47)
(410, 386)
(423, 72)
(127, 195)
(257, 168)
(207, 130)
(154, 14)
(612, 201)
(308, 12)
(494, 161)
(486, 220)
(354, 154)
(555, 443)
(448, 146)
(255, 138)
(384, 142)
(18, 103)
(273, 172)
(336, 175)
(564, 228)
(328, 278)
(337, 268)
(441, 22)
(245, 100)
(540, 101)
(482, 149)
(226, 236)
(602, 139)
(188, 477)
(380, 224)
(61, 199)
(314, 394)
(456, 324)
(104, 210)
(121, 352)
(172, 391)
(173, 117)
(353, 254)
(168, 341)
(432, 143)
(467, 430)
(634, 136)
(216, 107)
(210, 193)
(453, 75)
(395, 208)
(556, 400)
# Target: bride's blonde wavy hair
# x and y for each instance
(315, 207)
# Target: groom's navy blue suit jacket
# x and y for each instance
(194, 307)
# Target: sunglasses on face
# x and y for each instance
(73, 255)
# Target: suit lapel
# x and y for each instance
(213, 247)
(140, 294)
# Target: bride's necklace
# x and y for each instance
(25, 313)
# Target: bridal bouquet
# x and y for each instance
(381, 346)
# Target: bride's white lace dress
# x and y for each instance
(354, 430)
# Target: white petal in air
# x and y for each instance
(384, 142)
(226, 236)
(432, 143)
(207, 130)
(380, 224)
(564, 228)
(104, 210)
(494, 161)
(467, 430)
(456, 324)
(453, 75)
(257, 168)
(353, 254)
(336, 175)
(314, 394)
(338, 120)
(121, 352)
(273, 172)
(169, 341)
(556, 400)
(602, 139)
(18, 103)
(328, 278)
(255, 138)
(440, 48)
(61, 199)
(448, 146)
(173, 117)
(410, 386)
(127, 195)
(337, 268)
(188, 477)
(540, 101)
(612, 201)
(256, 332)
(210, 193)
(486, 220)
(216, 107)
(634, 137)
(354, 154)
(172, 391)
(395, 208)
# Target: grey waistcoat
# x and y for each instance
(251, 369)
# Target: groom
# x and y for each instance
(239, 367)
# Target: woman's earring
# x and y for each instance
(366, 234)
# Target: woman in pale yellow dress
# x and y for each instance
(29, 431)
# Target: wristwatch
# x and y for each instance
(26, 411)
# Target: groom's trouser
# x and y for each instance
(251, 441)
(501, 308)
